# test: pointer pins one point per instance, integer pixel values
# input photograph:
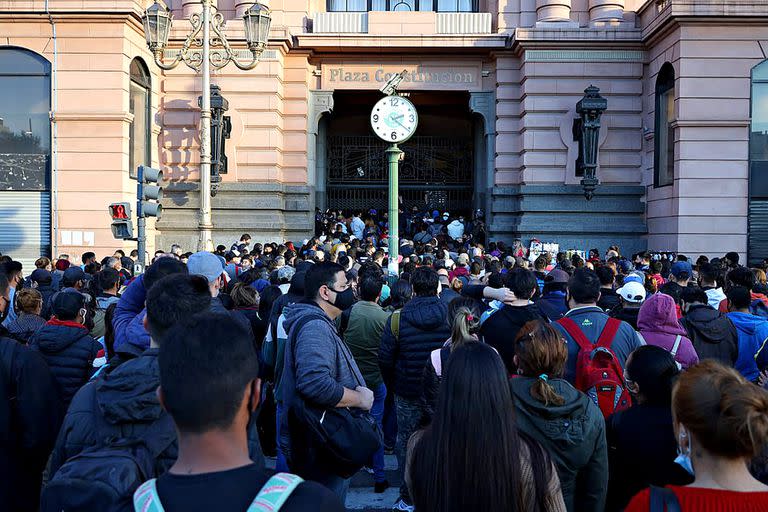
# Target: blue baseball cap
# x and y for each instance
(682, 270)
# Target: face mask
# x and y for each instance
(344, 300)
(461, 219)
(684, 458)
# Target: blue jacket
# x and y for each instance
(423, 328)
(592, 320)
(553, 305)
(753, 335)
(128, 321)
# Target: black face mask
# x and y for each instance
(344, 300)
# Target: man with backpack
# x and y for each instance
(742, 276)
(211, 413)
(108, 282)
(120, 408)
(585, 328)
(712, 333)
(28, 421)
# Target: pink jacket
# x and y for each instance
(658, 324)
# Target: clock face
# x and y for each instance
(394, 119)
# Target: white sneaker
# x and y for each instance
(368, 470)
(402, 506)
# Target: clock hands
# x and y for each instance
(395, 119)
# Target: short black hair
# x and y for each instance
(319, 275)
(88, 256)
(161, 268)
(369, 286)
(107, 278)
(584, 286)
(739, 297)
(425, 282)
(606, 275)
(120, 252)
(693, 295)
(10, 268)
(733, 257)
(674, 290)
(709, 272)
(742, 276)
(206, 365)
(174, 298)
(522, 282)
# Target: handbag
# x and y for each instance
(341, 439)
(663, 500)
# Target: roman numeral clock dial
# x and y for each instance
(394, 119)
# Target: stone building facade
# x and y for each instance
(683, 143)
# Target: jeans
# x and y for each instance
(408, 416)
(377, 411)
(281, 465)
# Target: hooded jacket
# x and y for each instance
(317, 368)
(553, 305)
(500, 327)
(455, 229)
(70, 352)
(574, 435)
(130, 335)
(658, 324)
(423, 328)
(753, 336)
(713, 335)
(125, 400)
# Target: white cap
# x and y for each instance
(632, 292)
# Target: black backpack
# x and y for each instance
(105, 476)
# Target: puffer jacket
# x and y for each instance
(70, 352)
(125, 399)
(574, 435)
(423, 328)
(713, 335)
(25, 326)
(657, 322)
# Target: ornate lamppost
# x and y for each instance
(201, 50)
(587, 131)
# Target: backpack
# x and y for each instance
(598, 372)
(271, 497)
(758, 308)
(105, 476)
(395, 324)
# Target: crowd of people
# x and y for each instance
(501, 381)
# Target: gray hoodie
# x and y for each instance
(322, 367)
(574, 435)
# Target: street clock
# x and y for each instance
(394, 119)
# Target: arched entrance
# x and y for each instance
(443, 167)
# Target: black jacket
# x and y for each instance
(713, 334)
(47, 291)
(423, 328)
(500, 328)
(69, 351)
(28, 436)
(625, 314)
(25, 326)
(609, 299)
(126, 399)
(641, 452)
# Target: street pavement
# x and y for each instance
(361, 496)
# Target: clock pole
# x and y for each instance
(393, 154)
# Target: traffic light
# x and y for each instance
(122, 225)
(149, 195)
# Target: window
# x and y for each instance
(25, 126)
(664, 139)
(758, 166)
(139, 151)
(403, 5)
(758, 139)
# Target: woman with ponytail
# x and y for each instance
(464, 320)
(721, 422)
(562, 419)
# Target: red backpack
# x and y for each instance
(598, 372)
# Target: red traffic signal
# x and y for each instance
(120, 211)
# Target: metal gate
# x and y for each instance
(436, 172)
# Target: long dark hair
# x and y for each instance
(469, 458)
(654, 371)
(401, 294)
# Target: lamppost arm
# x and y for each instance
(219, 60)
(192, 58)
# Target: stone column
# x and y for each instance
(553, 11)
(606, 11)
